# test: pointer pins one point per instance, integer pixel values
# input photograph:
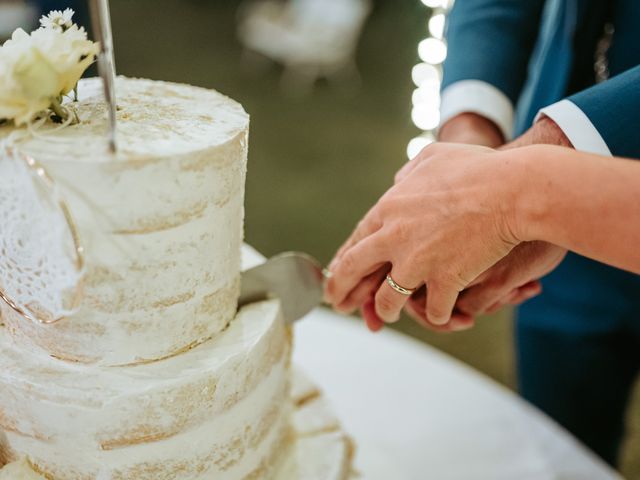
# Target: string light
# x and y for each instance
(427, 77)
(436, 25)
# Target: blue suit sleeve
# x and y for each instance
(613, 107)
(492, 41)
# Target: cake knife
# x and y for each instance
(101, 22)
(297, 279)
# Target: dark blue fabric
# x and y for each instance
(491, 40)
(549, 70)
(581, 377)
(614, 107)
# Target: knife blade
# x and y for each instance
(101, 22)
(297, 279)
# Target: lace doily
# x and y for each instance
(40, 256)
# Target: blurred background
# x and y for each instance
(340, 92)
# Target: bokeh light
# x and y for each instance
(432, 50)
(436, 25)
(427, 77)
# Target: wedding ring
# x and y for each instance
(404, 291)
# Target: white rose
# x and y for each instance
(70, 52)
(37, 69)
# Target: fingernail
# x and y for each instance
(439, 321)
(387, 318)
(326, 296)
(344, 309)
(458, 326)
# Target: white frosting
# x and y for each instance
(161, 222)
(219, 410)
(20, 470)
(320, 450)
(325, 456)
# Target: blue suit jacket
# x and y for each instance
(493, 41)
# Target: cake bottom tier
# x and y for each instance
(219, 411)
(318, 448)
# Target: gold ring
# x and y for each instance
(400, 289)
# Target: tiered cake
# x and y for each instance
(155, 376)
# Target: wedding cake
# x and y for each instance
(151, 374)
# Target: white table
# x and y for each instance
(417, 414)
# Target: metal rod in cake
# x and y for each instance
(101, 21)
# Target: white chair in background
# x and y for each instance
(312, 39)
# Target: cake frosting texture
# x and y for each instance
(220, 410)
(156, 375)
(161, 222)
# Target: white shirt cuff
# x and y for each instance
(482, 98)
(575, 124)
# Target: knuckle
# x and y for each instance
(372, 221)
(348, 262)
(453, 278)
(401, 231)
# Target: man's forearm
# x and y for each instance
(586, 203)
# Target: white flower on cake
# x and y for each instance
(58, 20)
(38, 69)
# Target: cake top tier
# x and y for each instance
(154, 119)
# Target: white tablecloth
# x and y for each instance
(417, 414)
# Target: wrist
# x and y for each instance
(471, 128)
(536, 194)
(544, 132)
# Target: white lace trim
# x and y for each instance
(39, 269)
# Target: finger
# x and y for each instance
(495, 307)
(417, 303)
(459, 321)
(368, 312)
(416, 308)
(524, 293)
(517, 297)
(366, 227)
(364, 291)
(390, 302)
(441, 299)
(358, 262)
(477, 299)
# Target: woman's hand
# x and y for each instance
(448, 219)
